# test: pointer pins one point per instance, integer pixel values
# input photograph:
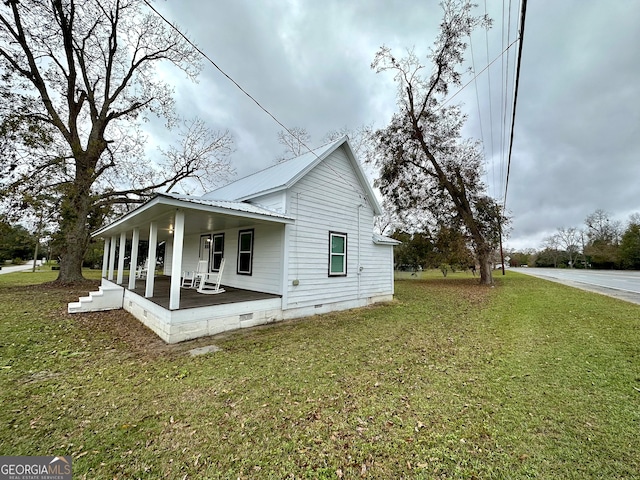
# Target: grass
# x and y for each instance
(529, 379)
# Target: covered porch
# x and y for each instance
(199, 316)
(185, 228)
(193, 233)
(190, 298)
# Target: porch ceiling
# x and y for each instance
(198, 219)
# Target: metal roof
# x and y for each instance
(227, 205)
(274, 178)
(285, 174)
(212, 214)
(382, 240)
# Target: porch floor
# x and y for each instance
(190, 298)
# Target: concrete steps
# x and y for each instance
(108, 297)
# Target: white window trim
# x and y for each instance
(332, 254)
(250, 252)
(213, 251)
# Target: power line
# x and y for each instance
(502, 88)
(473, 64)
(477, 75)
(515, 97)
(486, 35)
(249, 95)
(505, 92)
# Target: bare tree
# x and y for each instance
(386, 223)
(362, 140)
(603, 239)
(423, 161)
(295, 142)
(86, 72)
(601, 227)
(552, 245)
(570, 240)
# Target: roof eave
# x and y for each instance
(382, 240)
(161, 199)
(364, 182)
(123, 218)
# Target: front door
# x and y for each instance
(205, 250)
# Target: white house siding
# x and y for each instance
(327, 199)
(168, 250)
(267, 257)
(274, 201)
(377, 274)
(190, 253)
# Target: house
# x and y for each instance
(297, 239)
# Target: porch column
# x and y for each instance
(134, 258)
(123, 244)
(153, 243)
(112, 258)
(105, 257)
(176, 261)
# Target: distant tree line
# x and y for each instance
(17, 244)
(602, 243)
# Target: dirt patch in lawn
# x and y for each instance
(118, 329)
(126, 333)
(130, 336)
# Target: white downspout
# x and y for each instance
(359, 264)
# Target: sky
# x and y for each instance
(576, 144)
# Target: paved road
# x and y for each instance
(624, 285)
(17, 268)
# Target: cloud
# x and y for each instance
(576, 142)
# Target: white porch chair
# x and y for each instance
(208, 285)
(192, 279)
(142, 270)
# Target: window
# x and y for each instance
(245, 252)
(337, 254)
(217, 251)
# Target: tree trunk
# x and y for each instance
(35, 255)
(72, 254)
(73, 237)
(484, 259)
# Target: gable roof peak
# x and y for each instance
(275, 177)
(285, 174)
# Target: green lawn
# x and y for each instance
(529, 379)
